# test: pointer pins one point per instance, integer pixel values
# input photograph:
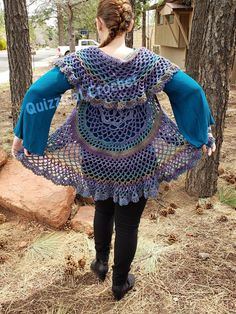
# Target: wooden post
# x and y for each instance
(182, 29)
(176, 40)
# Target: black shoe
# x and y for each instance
(120, 291)
(100, 268)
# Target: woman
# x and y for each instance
(118, 144)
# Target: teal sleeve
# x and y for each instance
(190, 107)
(38, 108)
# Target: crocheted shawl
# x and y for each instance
(118, 142)
(113, 83)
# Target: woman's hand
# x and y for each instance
(209, 150)
(211, 146)
(16, 146)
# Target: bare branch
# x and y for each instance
(32, 2)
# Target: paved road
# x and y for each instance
(3, 61)
(42, 59)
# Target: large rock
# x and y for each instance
(3, 157)
(83, 220)
(34, 196)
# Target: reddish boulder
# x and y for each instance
(83, 220)
(34, 196)
(3, 157)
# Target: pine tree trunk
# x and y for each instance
(19, 53)
(130, 35)
(144, 21)
(60, 25)
(130, 39)
(210, 61)
(71, 31)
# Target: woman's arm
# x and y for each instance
(37, 110)
(190, 108)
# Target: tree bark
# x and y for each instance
(71, 31)
(130, 35)
(130, 39)
(70, 6)
(19, 52)
(210, 61)
(60, 25)
(144, 21)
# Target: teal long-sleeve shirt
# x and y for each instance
(187, 98)
(38, 108)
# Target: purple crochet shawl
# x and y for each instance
(118, 142)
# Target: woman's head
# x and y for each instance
(114, 18)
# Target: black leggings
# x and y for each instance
(127, 219)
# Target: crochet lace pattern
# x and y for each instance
(118, 142)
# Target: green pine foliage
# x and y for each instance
(3, 42)
(227, 195)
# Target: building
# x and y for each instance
(173, 21)
(172, 30)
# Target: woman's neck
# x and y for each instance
(117, 42)
(117, 47)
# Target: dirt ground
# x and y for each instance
(185, 261)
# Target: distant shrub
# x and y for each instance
(3, 44)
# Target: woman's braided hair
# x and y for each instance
(117, 15)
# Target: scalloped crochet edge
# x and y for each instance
(67, 70)
(133, 196)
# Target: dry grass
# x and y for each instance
(171, 278)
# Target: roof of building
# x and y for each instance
(172, 4)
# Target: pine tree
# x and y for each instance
(210, 61)
(19, 52)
